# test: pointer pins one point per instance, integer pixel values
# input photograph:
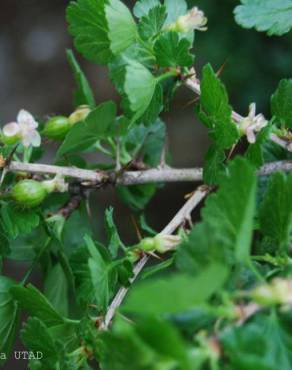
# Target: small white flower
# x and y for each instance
(24, 129)
(252, 124)
(194, 20)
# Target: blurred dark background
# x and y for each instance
(34, 75)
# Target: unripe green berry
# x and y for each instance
(29, 193)
(57, 128)
(10, 140)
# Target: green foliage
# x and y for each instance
(34, 302)
(156, 297)
(276, 211)
(152, 23)
(83, 94)
(265, 15)
(215, 110)
(9, 316)
(220, 298)
(170, 51)
(97, 125)
(282, 103)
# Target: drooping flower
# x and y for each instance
(194, 20)
(252, 124)
(24, 130)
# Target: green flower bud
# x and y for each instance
(147, 244)
(79, 114)
(29, 193)
(57, 128)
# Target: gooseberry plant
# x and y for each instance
(216, 294)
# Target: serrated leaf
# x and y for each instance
(96, 126)
(37, 338)
(36, 304)
(230, 211)
(214, 165)
(142, 7)
(281, 102)
(215, 111)
(100, 272)
(272, 16)
(83, 94)
(88, 25)
(9, 317)
(94, 275)
(57, 294)
(156, 296)
(171, 51)
(276, 211)
(122, 30)
(152, 23)
(16, 221)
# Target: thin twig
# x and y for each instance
(178, 219)
(194, 85)
(153, 175)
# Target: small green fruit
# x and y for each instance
(57, 128)
(10, 140)
(29, 193)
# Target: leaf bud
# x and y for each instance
(79, 114)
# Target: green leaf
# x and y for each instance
(256, 152)
(96, 126)
(37, 338)
(214, 165)
(139, 87)
(17, 221)
(88, 25)
(264, 344)
(171, 51)
(57, 294)
(230, 211)
(224, 235)
(281, 101)
(276, 211)
(112, 233)
(36, 304)
(9, 317)
(142, 7)
(95, 277)
(122, 30)
(152, 23)
(272, 16)
(215, 111)
(100, 272)
(156, 296)
(83, 94)
(136, 196)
